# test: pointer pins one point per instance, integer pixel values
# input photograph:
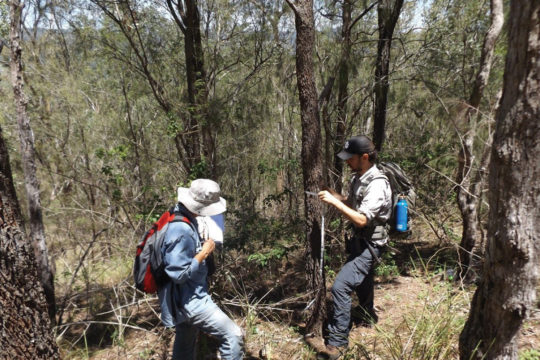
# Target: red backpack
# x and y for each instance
(149, 269)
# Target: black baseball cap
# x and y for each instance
(356, 145)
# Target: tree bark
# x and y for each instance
(196, 76)
(507, 292)
(8, 189)
(343, 92)
(28, 153)
(25, 329)
(311, 156)
(186, 15)
(388, 15)
(335, 138)
(469, 191)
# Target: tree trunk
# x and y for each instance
(336, 139)
(311, 156)
(198, 127)
(343, 92)
(388, 15)
(469, 191)
(37, 230)
(196, 79)
(8, 189)
(25, 329)
(507, 291)
(329, 137)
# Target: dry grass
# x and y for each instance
(420, 313)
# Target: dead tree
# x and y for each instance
(507, 290)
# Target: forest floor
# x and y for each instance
(421, 313)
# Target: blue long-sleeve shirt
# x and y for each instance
(187, 291)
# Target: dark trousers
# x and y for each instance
(356, 275)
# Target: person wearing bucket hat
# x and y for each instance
(185, 301)
(202, 198)
(368, 207)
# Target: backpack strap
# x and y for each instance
(376, 227)
(179, 217)
(364, 184)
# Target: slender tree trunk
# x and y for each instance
(37, 230)
(196, 78)
(342, 126)
(25, 329)
(388, 15)
(324, 105)
(329, 134)
(199, 136)
(343, 92)
(469, 193)
(507, 291)
(311, 156)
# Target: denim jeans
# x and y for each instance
(214, 322)
(356, 275)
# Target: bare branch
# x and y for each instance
(178, 20)
(293, 7)
(81, 262)
(359, 17)
(327, 90)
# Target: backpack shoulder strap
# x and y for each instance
(381, 175)
(181, 218)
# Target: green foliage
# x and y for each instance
(199, 170)
(174, 126)
(330, 273)
(147, 354)
(118, 337)
(262, 259)
(387, 269)
(252, 230)
(529, 354)
(451, 234)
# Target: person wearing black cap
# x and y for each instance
(368, 207)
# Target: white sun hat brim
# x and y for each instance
(199, 208)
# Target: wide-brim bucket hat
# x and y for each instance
(203, 198)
